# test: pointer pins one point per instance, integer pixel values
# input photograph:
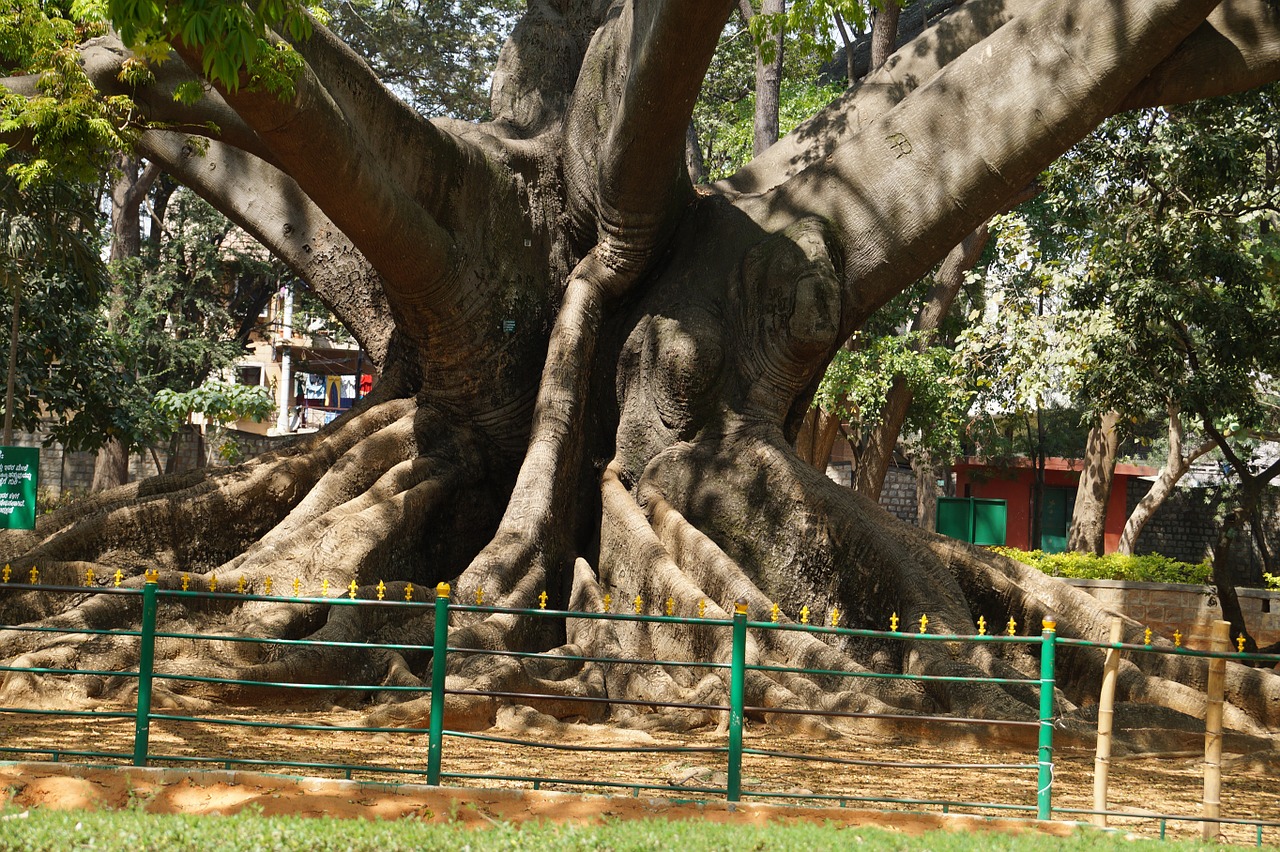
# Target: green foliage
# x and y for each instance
(436, 54)
(723, 116)
(221, 403)
(1169, 221)
(68, 122)
(234, 40)
(50, 259)
(808, 24)
(134, 830)
(1272, 581)
(177, 316)
(857, 382)
(1151, 568)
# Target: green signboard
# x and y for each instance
(19, 472)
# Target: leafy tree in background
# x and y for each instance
(59, 365)
(593, 372)
(1176, 215)
(436, 54)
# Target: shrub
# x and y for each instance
(1151, 568)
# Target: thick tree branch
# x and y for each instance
(642, 166)
(975, 135)
(427, 159)
(913, 65)
(280, 216)
(102, 60)
(327, 156)
(1237, 48)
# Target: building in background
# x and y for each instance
(312, 373)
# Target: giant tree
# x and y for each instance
(592, 372)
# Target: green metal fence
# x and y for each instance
(733, 752)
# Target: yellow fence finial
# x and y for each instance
(924, 622)
(152, 576)
(88, 576)
(324, 588)
(702, 607)
(893, 623)
(267, 585)
(1146, 636)
(773, 613)
(835, 617)
(241, 585)
(804, 615)
(982, 625)
(213, 582)
(297, 587)
(608, 602)
(382, 590)
(408, 591)
(1240, 643)
(671, 606)
(1013, 626)
(479, 596)
(542, 600)
(443, 590)
(1177, 638)
(638, 603)
(351, 589)
(34, 574)
(7, 572)
(186, 581)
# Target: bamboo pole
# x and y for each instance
(1106, 717)
(1213, 731)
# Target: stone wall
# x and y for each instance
(1186, 527)
(898, 496)
(1169, 607)
(64, 473)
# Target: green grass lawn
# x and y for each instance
(134, 831)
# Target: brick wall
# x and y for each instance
(1166, 607)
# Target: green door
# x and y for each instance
(1055, 518)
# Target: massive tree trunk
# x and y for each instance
(1089, 517)
(593, 375)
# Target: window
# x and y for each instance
(249, 375)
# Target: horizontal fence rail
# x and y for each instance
(737, 667)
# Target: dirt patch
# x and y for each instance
(222, 792)
(888, 766)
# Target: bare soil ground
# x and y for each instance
(1169, 782)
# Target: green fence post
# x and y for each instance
(1044, 784)
(146, 667)
(435, 735)
(737, 672)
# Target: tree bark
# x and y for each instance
(884, 32)
(129, 189)
(768, 82)
(1173, 470)
(1089, 517)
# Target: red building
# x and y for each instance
(1013, 482)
